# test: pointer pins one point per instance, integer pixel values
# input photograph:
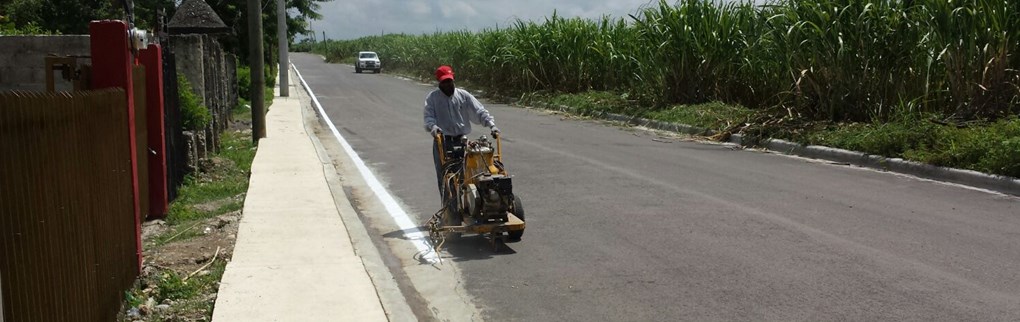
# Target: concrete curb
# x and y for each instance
(390, 296)
(1003, 184)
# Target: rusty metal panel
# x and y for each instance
(67, 231)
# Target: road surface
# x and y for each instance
(630, 225)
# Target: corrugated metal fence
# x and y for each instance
(67, 235)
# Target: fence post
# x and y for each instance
(111, 65)
(152, 59)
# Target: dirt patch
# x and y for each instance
(153, 228)
(217, 204)
(184, 257)
(181, 270)
(242, 126)
(215, 167)
(188, 255)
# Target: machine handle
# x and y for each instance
(499, 146)
(439, 148)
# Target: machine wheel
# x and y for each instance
(517, 210)
(378, 70)
(357, 70)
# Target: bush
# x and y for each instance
(592, 102)
(244, 82)
(8, 28)
(194, 115)
(992, 148)
(891, 139)
(271, 74)
(713, 115)
(1003, 158)
(172, 287)
(302, 47)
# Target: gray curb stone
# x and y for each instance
(1003, 184)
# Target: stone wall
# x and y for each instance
(213, 77)
(22, 59)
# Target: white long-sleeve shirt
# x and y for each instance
(454, 114)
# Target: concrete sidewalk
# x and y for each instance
(293, 260)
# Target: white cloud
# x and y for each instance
(419, 8)
(457, 10)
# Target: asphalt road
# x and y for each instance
(624, 224)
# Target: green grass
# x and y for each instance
(187, 295)
(178, 232)
(244, 85)
(194, 115)
(243, 110)
(173, 286)
(268, 97)
(223, 183)
(991, 148)
(238, 148)
(982, 146)
(891, 139)
(715, 115)
(230, 207)
(204, 195)
(591, 102)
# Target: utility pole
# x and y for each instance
(312, 30)
(281, 33)
(258, 77)
(323, 35)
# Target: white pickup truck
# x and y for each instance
(368, 60)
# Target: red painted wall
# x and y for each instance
(112, 61)
(152, 59)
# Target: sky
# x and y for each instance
(343, 19)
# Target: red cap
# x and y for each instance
(443, 73)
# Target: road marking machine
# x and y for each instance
(477, 194)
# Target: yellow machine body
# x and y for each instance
(486, 204)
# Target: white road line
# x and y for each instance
(403, 220)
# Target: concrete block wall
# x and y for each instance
(22, 59)
(232, 94)
(213, 78)
(197, 149)
(190, 56)
(212, 98)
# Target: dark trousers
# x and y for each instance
(449, 142)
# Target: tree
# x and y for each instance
(235, 16)
(73, 16)
(61, 16)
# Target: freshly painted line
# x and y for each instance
(403, 220)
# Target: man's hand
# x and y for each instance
(435, 130)
(495, 131)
